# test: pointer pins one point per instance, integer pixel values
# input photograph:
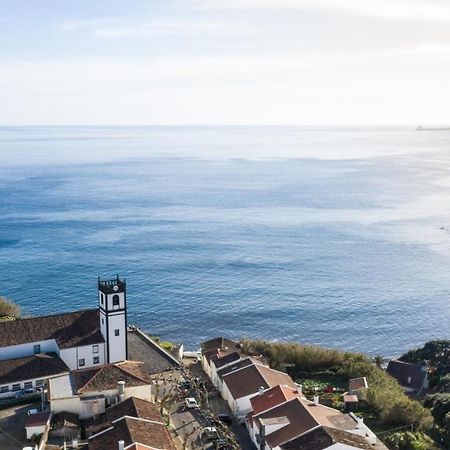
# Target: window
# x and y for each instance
(96, 360)
(409, 380)
(95, 349)
(36, 349)
(4, 389)
(102, 298)
(81, 362)
(103, 321)
(16, 387)
(28, 384)
(117, 332)
(39, 383)
(116, 301)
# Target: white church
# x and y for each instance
(35, 349)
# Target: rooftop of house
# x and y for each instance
(250, 379)
(321, 438)
(38, 366)
(133, 430)
(219, 343)
(245, 362)
(135, 421)
(134, 407)
(272, 397)
(407, 374)
(37, 419)
(357, 383)
(97, 379)
(329, 417)
(299, 420)
(220, 361)
(142, 348)
(68, 329)
(106, 377)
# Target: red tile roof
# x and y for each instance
(35, 420)
(106, 377)
(250, 379)
(68, 330)
(272, 397)
(299, 420)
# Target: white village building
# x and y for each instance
(33, 350)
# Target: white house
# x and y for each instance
(80, 339)
(88, 392)
(241, 385)
(36, 424)
(29, 372)
(216, 347)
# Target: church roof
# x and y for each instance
(68, 329)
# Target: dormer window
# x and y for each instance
(116, 300)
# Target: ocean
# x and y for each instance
(331, 236)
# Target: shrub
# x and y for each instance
(384, 395)
(9, 308)
(410, 441)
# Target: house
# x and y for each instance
(80, 339)
(88, 392)
(65, 425)
(242, 384)
(321, 438)
(264, 401)
(282, 417)
(132, 424)
(217, 362)
(29, 372)
(216, 347)
(358, 387)
(413, 378)
(37, 423)
(221, 372)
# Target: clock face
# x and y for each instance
(116, 288)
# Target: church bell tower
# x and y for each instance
(112, 302)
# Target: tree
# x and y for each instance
(8, 308)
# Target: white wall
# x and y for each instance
(11, 393)
(82, 405)
(22, 350)
(71, 356)
(117, 344)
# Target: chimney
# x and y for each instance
(359, 422)
(74, 443)
(300, 389)
(121, 385)
(121, 444)
(316, 399)
(261, 391)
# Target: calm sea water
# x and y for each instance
(325, 236)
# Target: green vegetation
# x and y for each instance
(8, 309)
(436, 354)
(385, 398)
(410, 441)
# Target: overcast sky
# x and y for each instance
(225, 62)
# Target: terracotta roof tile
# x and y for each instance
(106, 377)
(31, 367)
(133, 431)
(250, 379)
(272, 397)
(299, 420)
(68, 329)
(134, 407)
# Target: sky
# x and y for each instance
(295, 62)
